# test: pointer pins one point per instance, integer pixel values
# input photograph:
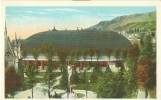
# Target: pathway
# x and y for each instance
(40, 91)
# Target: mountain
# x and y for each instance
(138, 25)
(123, 21)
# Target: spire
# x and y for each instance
(5, 28)
(54, 29)
(15, 36)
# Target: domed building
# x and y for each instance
(75, 39)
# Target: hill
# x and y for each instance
(126, 20)
(151, 25)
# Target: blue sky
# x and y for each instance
(28, 20)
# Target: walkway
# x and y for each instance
(40, 91)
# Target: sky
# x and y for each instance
(27, 20)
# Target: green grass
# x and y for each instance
(79, 95)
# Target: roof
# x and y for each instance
(79, 39)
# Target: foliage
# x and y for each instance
(146, 73)
(108, 52)
(97, 53)
(35, 53)
(97, 72)
(124, 53)
(109, 85)
(90, 52)
(84, 54)
(12, 81)
(73, 55)
(146, 68)
(64, 79)
(56, 95)
(62, 53)
(47, 50)
(31, 72)
(74, 77)
(133, 52)
(116, 53)
(24, 52)
(147, 49)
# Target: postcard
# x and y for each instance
(80, 50)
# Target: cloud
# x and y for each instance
(64, 10)
(33, 12)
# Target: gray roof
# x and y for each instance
(79, 39)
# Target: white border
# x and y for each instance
(81, 3)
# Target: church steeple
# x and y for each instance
(5, 28)
(15, 36)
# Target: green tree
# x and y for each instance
(124, 54)
(74, 77)
(116, 53)
(62, 54)
(97, 53)
(47, 50)
(108, 52)
(84, 55)
(107, 85)
(146, 68)
(131, 87)
(35, 53)
(64, 79)
(90, 53)
(97, 72)
(31, 72)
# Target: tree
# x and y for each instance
(12, 81)
(73, 55)
(84, 55)
(35, 53)
(133, 52)
(108, 53)
(147, 49)
(62, 54)
(90, 52)
(107, 85)
(21, 71)
(47, 50)
(146, 75)
(31, 72)
(116, 53)
(24, 52)
(74, 77)
(146, 68)
(97, 53)
(124, 54)
(64, 79)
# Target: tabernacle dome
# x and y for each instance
(79, 39)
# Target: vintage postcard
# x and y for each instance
(80, 51)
